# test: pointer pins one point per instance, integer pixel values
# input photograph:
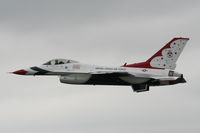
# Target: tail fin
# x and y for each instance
(166, 57)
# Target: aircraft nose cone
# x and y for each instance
(20, 72)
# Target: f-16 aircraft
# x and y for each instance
(158, 70)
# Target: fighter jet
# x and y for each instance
(158, 70)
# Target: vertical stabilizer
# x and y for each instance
(166, 57)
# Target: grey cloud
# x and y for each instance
(48, 12)
(96, 32)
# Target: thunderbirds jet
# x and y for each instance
(158, 70)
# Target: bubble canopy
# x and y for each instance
(59, 62)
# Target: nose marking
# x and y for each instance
(21, 72)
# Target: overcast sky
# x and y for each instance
(102, 32)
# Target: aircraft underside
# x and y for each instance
(137, 84)
(106, 79)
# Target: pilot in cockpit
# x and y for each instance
(59, 62)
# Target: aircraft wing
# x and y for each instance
(131, 78)
(116, 73)
(119, 78)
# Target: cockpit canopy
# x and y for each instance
(59, 62)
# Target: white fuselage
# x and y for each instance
(78, 73)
